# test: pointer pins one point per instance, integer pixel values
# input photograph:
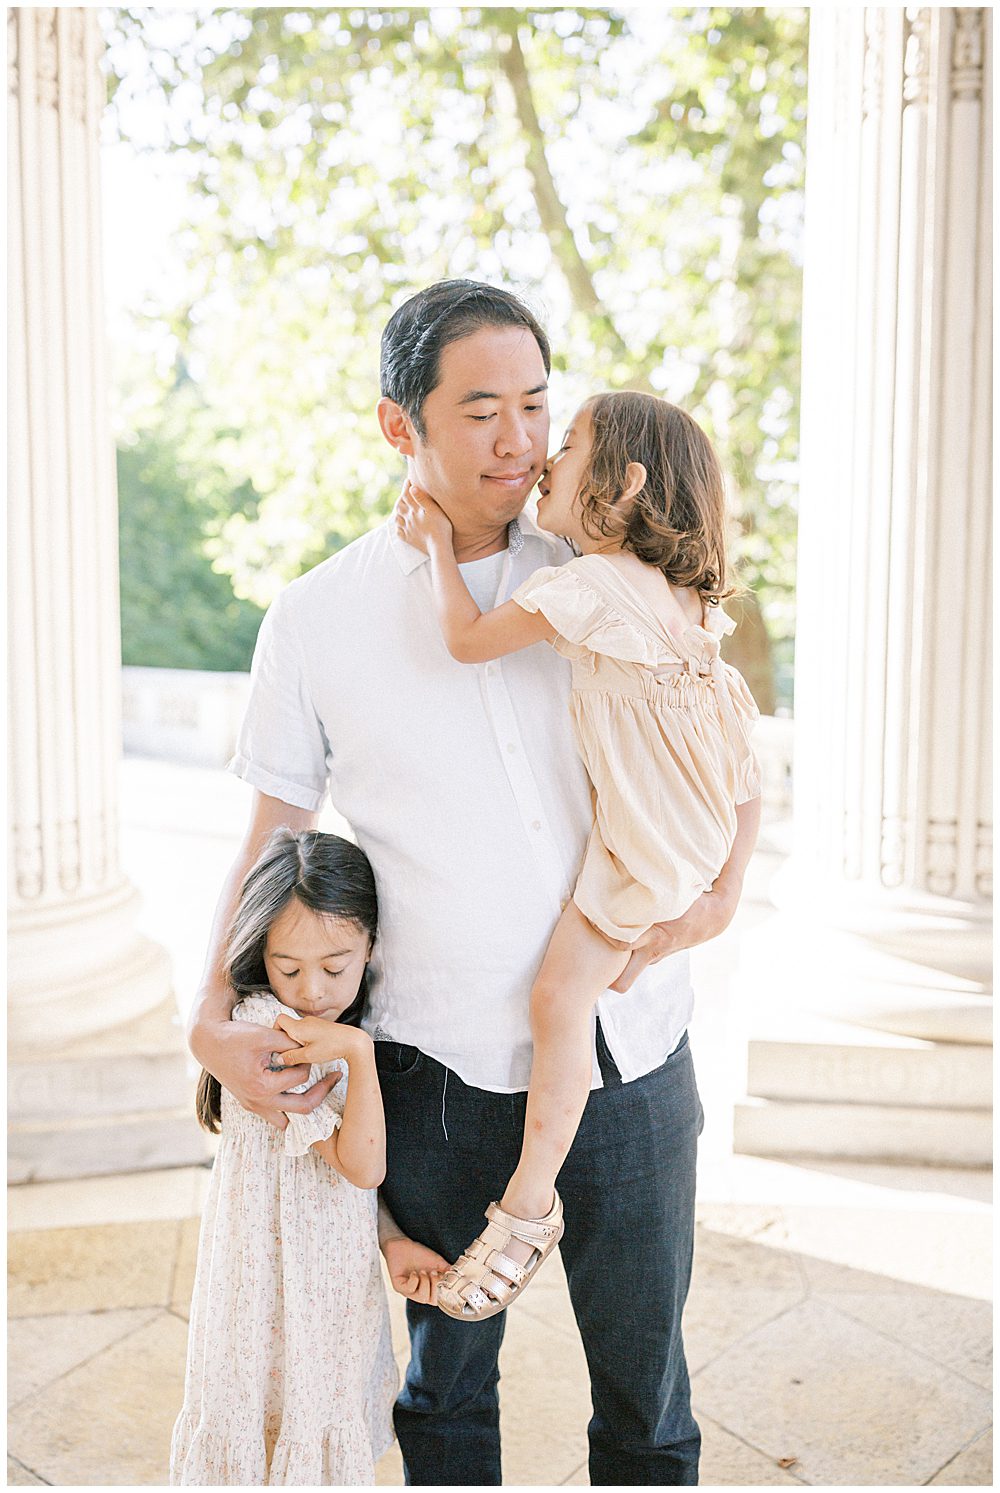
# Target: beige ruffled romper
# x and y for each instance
(663, 728)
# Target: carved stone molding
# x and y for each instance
(967, 53)
(984, 860)
(871, 85)
(916, 56)
(893, 857)
(942, 856)
(29, 869)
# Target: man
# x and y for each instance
(464, 787)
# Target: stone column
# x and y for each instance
(85, 989)
(871, 1003)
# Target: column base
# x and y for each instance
(860, 1045)
(826, 1089)
(80, 968)
(119, 1101)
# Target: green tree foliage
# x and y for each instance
(636, 173)
(177, 610)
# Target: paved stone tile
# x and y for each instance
(90, 1269)
(544, 1403)
(953, 1331)
(728, 1462)
(547, 1300)
(389, 1469)
(109, 1421)
(849, 1404)
(726, 1257)
(973, 1467)
(40, 1349)
(18, 1476)
(715, 1319)
(187, 1258)
(133, 1197)
(857, 1249)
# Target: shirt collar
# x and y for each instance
(411, 559)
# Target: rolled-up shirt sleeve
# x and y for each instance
(282, 748)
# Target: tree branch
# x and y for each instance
(551, 212)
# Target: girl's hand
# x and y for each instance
(421, 521)
(321, 1041)
(414, 1269)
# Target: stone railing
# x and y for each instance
(182, 715)
(186, 715)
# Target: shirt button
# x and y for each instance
(537, 824)
(511, 747)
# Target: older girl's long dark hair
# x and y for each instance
(328, 875)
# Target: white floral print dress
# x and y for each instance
(290, 1374)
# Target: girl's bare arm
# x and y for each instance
(471, 636)
(357, 1149)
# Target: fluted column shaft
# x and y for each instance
(892, 767)
(76, 962)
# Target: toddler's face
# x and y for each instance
(559, 505)
(315, 964)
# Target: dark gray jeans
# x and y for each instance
(628, 1190)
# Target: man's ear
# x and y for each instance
(396, 425)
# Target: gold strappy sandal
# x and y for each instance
(485, 1280)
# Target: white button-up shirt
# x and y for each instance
(463, 785)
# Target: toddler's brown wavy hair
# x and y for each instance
(677, 521)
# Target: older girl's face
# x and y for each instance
(559, 489)
(315, 964)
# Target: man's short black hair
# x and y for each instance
(416, 334)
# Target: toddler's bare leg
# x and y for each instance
(578, 967)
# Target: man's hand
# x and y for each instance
(238, 1054)
(420, 521)
(706, 918)
(414, 1269)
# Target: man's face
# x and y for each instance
(487, 428)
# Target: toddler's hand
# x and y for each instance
(320, 1041)
(419, 520)
(414, 1269)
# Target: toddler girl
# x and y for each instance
(290, 1373)
(662, 725)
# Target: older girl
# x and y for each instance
(290, 1374)
(662, 725)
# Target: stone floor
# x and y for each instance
(838, 1329)
(838, 1333)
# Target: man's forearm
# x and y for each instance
(214, 999)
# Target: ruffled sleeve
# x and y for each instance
(320, 1124)
(586, 621)
(748, 775)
